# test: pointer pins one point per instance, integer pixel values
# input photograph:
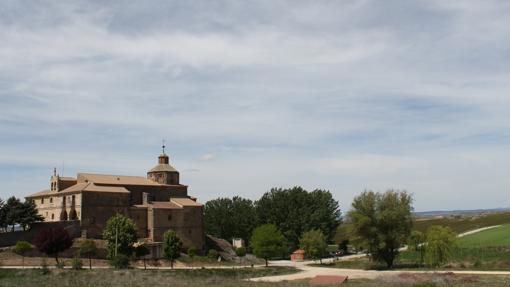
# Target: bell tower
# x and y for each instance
(163, 173)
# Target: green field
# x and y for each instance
(220, 278)
(499, 236)
(464, 224)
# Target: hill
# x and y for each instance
(464, 223)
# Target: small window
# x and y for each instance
(52, 216)
(51, 199)
(170, 217)
(42, 200)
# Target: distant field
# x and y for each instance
(499, 236)
(461, 225)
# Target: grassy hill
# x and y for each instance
(499, 236)
(463, 224)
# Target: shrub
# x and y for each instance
(76, 263)
(120, 261)
(213, 254)
(21, 248)
(241, 251)
(60, 265)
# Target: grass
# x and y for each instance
(499, 236)
(223, 278)
(133, 277)
(464, 224)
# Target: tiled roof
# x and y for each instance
(184, 201)
(83, 186)
(328, 280)
(116, 179)
(165, 205)
(163, 167)
(40, 193)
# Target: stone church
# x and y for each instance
(155, 203)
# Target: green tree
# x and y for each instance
(141, 250)
(21, 248)
(382, 223)
(241, 253)
(13, 211)
(416, 243)
(3, 215)
(88, 248)
(314, 244)
(28, 214)
(230, 218)
(267, 242)
(439, 245)
(172, 246)
(343, 237)
(192, 251)
(119, 234)
(295, 211)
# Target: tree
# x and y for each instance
(230, 218)
(267, 242)
(88, 248)
(314, 244)
(440, 244)
(416, 243)
(240, 252)
(52, 241)
(13, 211)
(172, 245)
(141, 250)
(344, 236)
(120, 234)
(295, 211)
(21, 248)
(382, 223)
(192, 251)
(28, 214)
(3, 215)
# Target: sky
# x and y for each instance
(339, 95)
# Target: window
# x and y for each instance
(51, 199)
(52, 216)
(42, 200)
(170, 217)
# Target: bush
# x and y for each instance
(241, 251)
(213, 254)
(76, 263)
(120, 261)
(60, 265)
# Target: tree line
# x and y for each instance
(292, 211)
(14, 212)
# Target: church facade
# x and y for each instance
(156, 203)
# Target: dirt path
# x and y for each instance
(308, 271)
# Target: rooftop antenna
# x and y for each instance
(163, 146)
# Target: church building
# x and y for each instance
(155, 203)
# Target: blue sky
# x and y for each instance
(249, 95)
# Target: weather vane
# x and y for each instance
(163, 146)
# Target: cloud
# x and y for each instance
(341, 95)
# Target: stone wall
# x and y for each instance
(10, 238)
